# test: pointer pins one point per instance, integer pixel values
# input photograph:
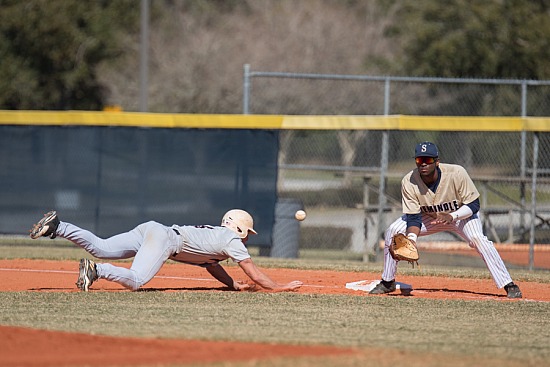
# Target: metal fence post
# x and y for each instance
(246, 89)
(533, 201)
(382, 195)
(523, 159)
(380, 223)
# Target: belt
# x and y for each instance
(178, 233)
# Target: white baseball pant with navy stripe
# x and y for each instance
(470, 229)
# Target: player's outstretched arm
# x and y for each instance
(264, 281)
(218, 272)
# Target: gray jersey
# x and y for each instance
(151, 244)
(203, 245)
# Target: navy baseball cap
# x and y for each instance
(426, 149)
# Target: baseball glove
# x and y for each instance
(402, 248)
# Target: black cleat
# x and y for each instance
(383, 287)
(512, 290)
(46, 227)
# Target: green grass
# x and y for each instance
(474, 328)
(489, 333)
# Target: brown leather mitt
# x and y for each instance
(402, 248)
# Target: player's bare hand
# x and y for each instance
(443, 218)
(294, 285)
(242, 286)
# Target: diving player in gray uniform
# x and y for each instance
(440, 197)
(152, 243)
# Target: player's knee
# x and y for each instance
(387, 238)
(133, 286)
(97, 251)
(390, 232)
(136, 284)
(137, 281)
(478, 240)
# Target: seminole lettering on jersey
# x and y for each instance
(443, 207)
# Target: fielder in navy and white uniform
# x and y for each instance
(152, 243)
(440, 197)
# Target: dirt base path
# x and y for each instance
(60, 276)
(24, 347)
(27, 347)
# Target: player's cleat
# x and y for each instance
(512, 290)
(87, 274)
(46, 227)
(383, 287)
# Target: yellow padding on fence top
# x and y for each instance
(336, 122)
(295, 122)
(537, 124)
(459, 123)
(161, 120)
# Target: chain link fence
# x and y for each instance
(337, 175)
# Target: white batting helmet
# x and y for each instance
(239, 222)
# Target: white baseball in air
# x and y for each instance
(300, 215)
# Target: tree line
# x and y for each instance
(83, 55)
